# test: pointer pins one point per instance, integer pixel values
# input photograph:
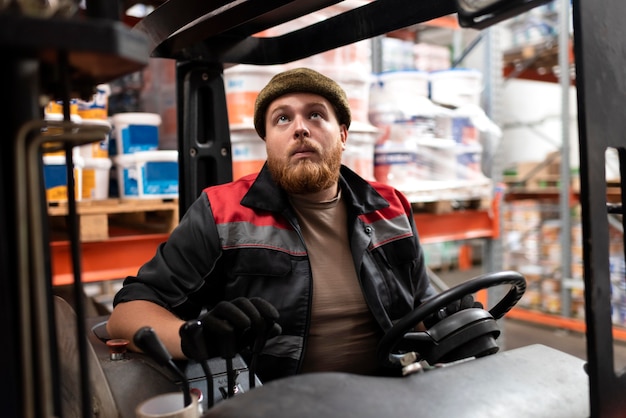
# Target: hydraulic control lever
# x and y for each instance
(148, 341)
(264, 328)
(191, 331)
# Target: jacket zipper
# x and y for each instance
(293, 222)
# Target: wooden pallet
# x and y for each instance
(551, 184)
(97, 216)
(447, 206)
(546, 182)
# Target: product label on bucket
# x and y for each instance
(160, 178)
(131, 183)
(140, 138)
(55, 180)
(240, 106)
(394, 167)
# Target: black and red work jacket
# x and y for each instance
(243, 239)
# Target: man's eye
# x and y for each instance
(316, 115)
(282, 119)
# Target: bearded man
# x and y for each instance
(335, 259)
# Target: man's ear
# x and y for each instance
(344, 136)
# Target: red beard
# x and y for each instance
(306, 176)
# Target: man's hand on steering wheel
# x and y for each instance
(465, 302)
(468, 333)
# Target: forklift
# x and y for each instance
(61, 57)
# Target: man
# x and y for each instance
(337, 256)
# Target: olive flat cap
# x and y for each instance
(301, 80)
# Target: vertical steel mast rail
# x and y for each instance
(599, 45)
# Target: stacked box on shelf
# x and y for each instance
(577, 293)
(550, 261)
(521, 221)
(441, 255)
(618, 289)
(536, 176)
(522, 229)
(521, 226)
(617, 269)
(532, 236)
(617, 272)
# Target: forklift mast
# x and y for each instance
(599, 42)
(62, 57)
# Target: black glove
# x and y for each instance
(263, 316)
(228, 328)
(465, 302)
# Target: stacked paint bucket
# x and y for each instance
(242, 84)
(143, 170)
(409, 147)
(92, 164)
(54, 162)
(460, 89)
(355, 80)
(97, 164)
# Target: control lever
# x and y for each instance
(264, 329)
(191, 331)
(148, 341)
(224, 327)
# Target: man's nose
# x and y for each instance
(301, 128)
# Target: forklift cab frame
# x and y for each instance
(205, 38)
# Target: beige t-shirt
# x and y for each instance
(343, 335)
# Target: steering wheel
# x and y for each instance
(466, 333)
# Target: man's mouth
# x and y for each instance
(304, 152)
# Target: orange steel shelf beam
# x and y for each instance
(556, 321)
(455, 226)
(112, 259)
(120, 256)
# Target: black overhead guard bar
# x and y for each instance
(225, 32)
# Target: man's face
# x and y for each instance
(304, 142)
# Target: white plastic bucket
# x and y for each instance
(95, 181)
(136, 131)
(395, 163)
(469, 162)
(456, 87)
(356, 84)
(248, 151)
(405, 83)
(242, 84)
(55, 177)
(397, 96)
(97, 107)
(53, 130)
(147, 174)
(359, 152)
(439, 156)
(98, 149)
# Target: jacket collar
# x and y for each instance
(264, 194)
